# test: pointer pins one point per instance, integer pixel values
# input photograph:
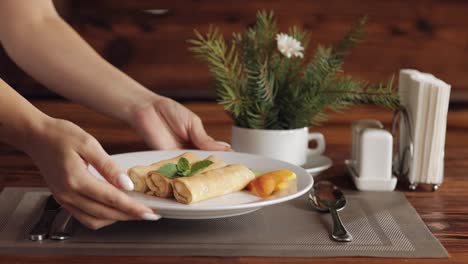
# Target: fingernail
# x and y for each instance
(125, 182)
(150, 216)
(224, 143)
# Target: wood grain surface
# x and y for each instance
(429, 35)
(445, 212)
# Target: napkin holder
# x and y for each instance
(403, 159)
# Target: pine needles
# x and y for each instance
(261, 88)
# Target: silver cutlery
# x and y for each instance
(41, 228)
(326, 197)
(61, 227)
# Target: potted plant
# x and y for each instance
(274, 94)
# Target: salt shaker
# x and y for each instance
(371, 158)
(357, 128)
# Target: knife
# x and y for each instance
(61, 227)
(41, 228)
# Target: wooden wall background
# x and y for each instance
(428, 35)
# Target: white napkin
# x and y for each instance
(426, 99)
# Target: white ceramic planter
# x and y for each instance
(287, 145)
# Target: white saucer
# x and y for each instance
(315, 164)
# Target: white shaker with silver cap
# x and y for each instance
(371, 158)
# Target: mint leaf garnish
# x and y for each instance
(183, 165)
(199, 165)
(168, 170)
(184, 173)
(182, 168)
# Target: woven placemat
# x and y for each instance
(383, 225)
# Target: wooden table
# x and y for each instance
(445, 212)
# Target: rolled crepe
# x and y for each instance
(211, 183)
(217, 163)
(162, 186)
(138, 174)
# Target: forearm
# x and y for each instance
(60, 59)
(19, 119)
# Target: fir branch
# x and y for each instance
(256, 46)
(379, 94)
(356, 35)
(265, 31)
(225, 67)
(261, 88)
(328, 62)
(323, 66)
(347, 92)
(262, 83)
(261, 94)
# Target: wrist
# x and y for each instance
(29, 130)
(135, 109)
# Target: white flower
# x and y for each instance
(289, 46)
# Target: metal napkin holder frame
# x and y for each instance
(405, 156)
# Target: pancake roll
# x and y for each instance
(211, 183)
(138, 174)
(161, 186)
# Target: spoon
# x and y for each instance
(326, 197)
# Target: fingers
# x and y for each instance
(93, 153)
(169, 125)
(97, 210)
(201, 139)
(86, 219)
(225, 144)
(104, 193)
(107, 194)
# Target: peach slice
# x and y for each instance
(264, 185)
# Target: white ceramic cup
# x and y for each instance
(287, 145)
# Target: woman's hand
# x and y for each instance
(165, 124)
(62, 152)
(77, 72)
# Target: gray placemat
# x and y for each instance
(383, 224)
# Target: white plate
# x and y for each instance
(316, 164)
(232, 204)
